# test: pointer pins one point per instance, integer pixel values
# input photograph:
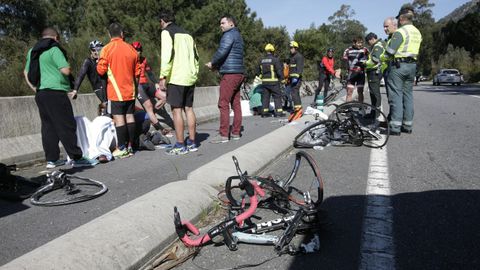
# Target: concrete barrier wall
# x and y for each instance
(20, 139)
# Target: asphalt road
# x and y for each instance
(434, 193)
(25, 227)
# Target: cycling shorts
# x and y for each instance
(179, 96)
(356, 78)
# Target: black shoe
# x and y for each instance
(394, 133)
(264, 115)
(408, 131)
(282, 114)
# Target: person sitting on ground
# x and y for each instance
(147, 93)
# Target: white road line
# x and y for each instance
(473, 96)
(377, 249)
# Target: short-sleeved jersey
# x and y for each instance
(355, 58)
(51, 61)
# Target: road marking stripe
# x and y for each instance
(377, 250)
(474, 96)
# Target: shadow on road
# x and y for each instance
(432, 230)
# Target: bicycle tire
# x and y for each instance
(367, 117)
(53, 195)
(282, 189)
(315, 187)
(318, 134)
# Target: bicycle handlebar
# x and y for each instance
(182, 227)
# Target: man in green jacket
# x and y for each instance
(178, 74)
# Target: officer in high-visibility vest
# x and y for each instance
(389, 26)
(270, 70)
(375, 68)
(403, 51)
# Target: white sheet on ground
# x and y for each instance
(95, 137)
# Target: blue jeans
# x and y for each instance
(400, 97)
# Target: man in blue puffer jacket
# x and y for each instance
(228, 59)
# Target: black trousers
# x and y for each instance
(374, 87)
(271, 90)
(323, 82)
(58, 124)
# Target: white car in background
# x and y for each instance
(452, 76)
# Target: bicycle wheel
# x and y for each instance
(64, 189)
(318, 134)
(368, 118)
(305, 183)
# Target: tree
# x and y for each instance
(20, 24)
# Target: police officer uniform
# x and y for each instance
(375, 69)
(403, 51)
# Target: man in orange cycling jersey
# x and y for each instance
(119, 61)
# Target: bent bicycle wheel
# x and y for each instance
(64, 189)
(305, 183)
(368, 118)
(318, 134)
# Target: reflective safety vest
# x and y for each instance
(374, 61)
(412, 38)
(270, 69)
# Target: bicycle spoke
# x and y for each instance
(307, 187)
(368, 119)
(74, 189)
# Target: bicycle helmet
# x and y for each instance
(330, 50)
(137, 45)
(95, 44)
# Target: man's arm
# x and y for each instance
(279, 70)
(81, 75)
(166, 55)
(394, 44)
(223, 50)
(25, 73)
(102, 64)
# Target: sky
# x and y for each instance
(300, 14)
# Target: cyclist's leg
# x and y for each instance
(350, 86)
(190, 114)
(360, 85)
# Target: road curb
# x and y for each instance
(132, 234)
